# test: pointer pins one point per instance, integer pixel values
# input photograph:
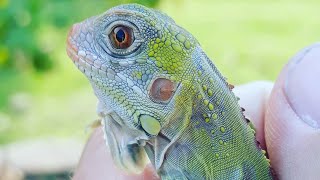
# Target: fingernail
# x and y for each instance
(302, 85)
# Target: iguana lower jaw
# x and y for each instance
(125, 148)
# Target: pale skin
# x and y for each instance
(286, 115)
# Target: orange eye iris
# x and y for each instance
(121, 37)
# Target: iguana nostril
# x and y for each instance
(162, 89)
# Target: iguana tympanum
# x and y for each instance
(161, 98)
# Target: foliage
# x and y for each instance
(22, 23)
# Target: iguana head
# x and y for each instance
(143, 69)
(137, 60)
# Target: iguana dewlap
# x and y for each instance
(161, 98)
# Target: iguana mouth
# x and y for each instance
(72, 49)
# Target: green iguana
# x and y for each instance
(161, 98)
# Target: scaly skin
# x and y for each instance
(162, 97)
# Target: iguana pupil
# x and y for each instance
(121, 37)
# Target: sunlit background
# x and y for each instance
(44, 97)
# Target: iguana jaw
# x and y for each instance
(125, 145)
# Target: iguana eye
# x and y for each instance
(121, 37)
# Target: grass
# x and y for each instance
(247, 40)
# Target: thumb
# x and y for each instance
(292, 120)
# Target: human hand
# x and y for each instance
(287, 121)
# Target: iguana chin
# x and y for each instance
(161, 98)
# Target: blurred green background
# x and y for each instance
(42, 94)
